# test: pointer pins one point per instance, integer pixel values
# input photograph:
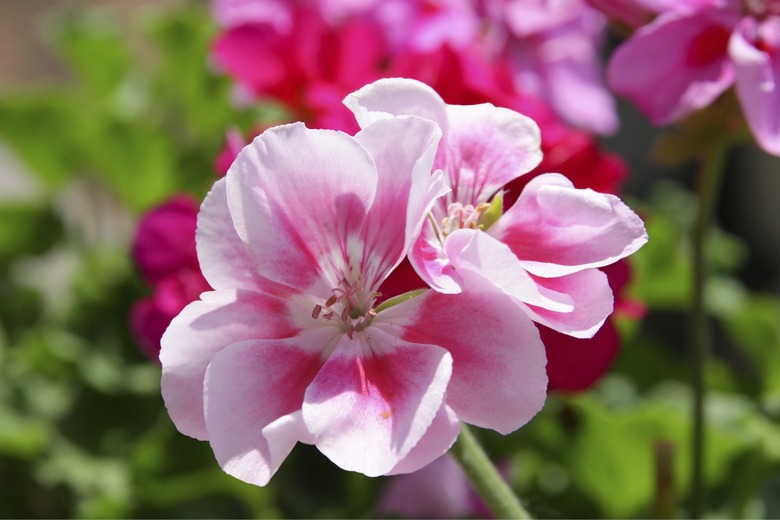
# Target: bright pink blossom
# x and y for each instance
(164, 251)
(295, 241)
(306, 65)
(308, 55)
(694, 51)
(544, 250)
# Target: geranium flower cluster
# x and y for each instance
(693, 51)
(296, 242)
(308, 55)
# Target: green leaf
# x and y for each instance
(20, 436)
(102, 484)
(39, 128)
(136, 160)
(754, 325)
(27, 229)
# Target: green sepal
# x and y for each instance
(395, 300)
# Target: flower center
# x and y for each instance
(462, 217)
(350, 305)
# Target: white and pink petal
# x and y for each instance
(297, 196)
(200, 332)
(593, 303)
(498, 373)
(556, 229)
(438, 439)
(374, 400)
(223, 257)
(431, 262)
(403, 149)
(388, 97)
(471, 250)
(485, 148)
(253, 395)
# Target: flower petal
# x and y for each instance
(593, 302)
(164, 240)
(494, 262)
(396, 97)
(758, 78)
(437, 440)
(297, 197)
(577, 90)
(403, 149)
(556, 229)
(253, 390)
(431, 263)
(374, 400)
(486, 147)
(440, 490)
(196, 335)
(498, 373)
(224, 260)
(674, 65)
(237, 50)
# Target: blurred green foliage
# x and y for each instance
(84, 433)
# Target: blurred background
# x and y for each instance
(110, 109)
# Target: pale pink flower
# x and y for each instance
(554, 48)
(677, 64)
(544, 250)
(439, 490)
(755, 50)
(694, 51)
(288, 347)
(233, 13)
(420, 25)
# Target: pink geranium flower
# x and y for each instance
(297, 59)
(289, 346)
(420, 25)
(544, 251)
(694, 51)
(440, 490)
(554, 49)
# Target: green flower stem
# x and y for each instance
(709, 183)
(491, 487)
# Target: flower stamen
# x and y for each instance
(462, 217)
(351, 299)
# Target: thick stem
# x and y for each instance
(709, 182)
(483, 475)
